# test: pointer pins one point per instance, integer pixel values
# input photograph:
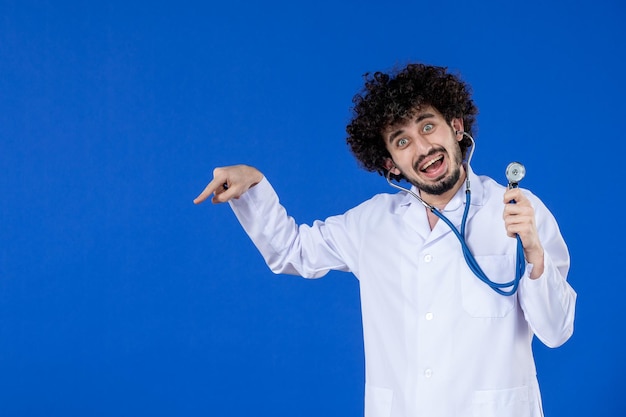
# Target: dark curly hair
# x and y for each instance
(387, 99)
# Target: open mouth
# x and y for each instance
(433, 165)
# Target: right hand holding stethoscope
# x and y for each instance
(519, 219)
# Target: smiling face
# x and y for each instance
(425, 150)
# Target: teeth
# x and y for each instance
(425, 167)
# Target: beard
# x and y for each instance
(446, 183)
(441, 187)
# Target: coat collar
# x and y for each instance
(414, 213)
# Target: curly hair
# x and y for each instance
(387, 99)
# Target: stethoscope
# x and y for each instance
(514, 174)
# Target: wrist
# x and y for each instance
(536, 258)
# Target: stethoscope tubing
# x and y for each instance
(472, 263)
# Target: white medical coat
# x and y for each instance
(438, 341)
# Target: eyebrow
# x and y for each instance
(417, 120)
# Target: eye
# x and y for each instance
(428, 127)
(403, 142)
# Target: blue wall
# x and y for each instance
(119, 297)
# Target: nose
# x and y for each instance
(422, 144)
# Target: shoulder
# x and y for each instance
(493, 192)
(489, 184)
(382, 201)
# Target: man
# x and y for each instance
(438, 341)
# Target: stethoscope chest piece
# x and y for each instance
(515, 172)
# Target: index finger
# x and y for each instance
(212, 187)
(515, 194)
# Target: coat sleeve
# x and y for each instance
(549, 301)
(289, 248)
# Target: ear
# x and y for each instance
(391, 167)
(457, 126)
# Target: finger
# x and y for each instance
(227, 192)
(211, 188)
(510, 195)
(517, 195)
(203, 196)
(512, 210)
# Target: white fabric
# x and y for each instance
(438, 342)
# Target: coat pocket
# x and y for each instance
(513, 402)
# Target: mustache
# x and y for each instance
(430, 153)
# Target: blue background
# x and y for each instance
(119, 297)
